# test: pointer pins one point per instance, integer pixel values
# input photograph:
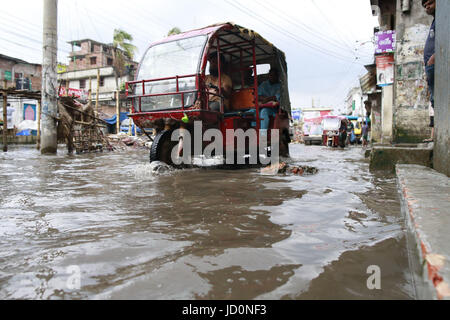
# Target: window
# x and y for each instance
(82, 84)
(93, 60)
(102, 81)
(110, 62)
(92, 47)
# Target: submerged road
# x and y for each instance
(102, 226)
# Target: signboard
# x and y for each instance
(29, 112)
(8, 75)
(296, 114)
(385, 42)
(61, 68)
(385, 70)
(77, 93)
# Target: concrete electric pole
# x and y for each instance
(49, 103)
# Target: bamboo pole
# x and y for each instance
(39, 125)
(117, 113)
(5, 119)
(90, 90)
(129, 124)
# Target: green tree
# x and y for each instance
(173, 31)
(122, 50)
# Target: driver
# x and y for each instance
(212, 81)
(269, 92)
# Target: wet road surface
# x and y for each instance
(198, 233)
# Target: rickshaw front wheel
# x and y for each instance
(162, 147)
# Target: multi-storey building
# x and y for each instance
(88, 57)
(354, 103)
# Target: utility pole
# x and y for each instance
(97, 92)
(5, 117)
(49, 105)
(39, 112)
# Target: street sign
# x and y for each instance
(8, 75)
(296, 114)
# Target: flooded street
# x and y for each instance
(198, 233)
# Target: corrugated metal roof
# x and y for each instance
(368, 82)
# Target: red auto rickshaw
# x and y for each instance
(169, 91)
(332, 134)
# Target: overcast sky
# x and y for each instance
(327, 42)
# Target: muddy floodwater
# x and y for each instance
(102, 227)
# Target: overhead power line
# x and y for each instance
(304, 27)
(287, 33)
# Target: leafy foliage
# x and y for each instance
(173, 31)
(123, 50)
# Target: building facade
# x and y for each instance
(355, 102)
(372, 106)
(88, 59)
(441, 154)
(20, 75)
(405, 101)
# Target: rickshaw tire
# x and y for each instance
(162, 147)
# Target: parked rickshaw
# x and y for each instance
(170, 91)
(357, 128)
(332, 131)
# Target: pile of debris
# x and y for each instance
(123, 141)
(80, 128)
(284, 168)
(83, 132)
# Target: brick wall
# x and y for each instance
(30, 71)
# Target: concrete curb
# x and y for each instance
(425, 197)
(386, 157)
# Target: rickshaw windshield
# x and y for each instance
(331, 124)
(176, 58)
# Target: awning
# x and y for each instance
(368, 82)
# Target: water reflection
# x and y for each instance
(199, 233)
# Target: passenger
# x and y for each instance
(429, 59)
(269, 91)
(248, 80)
(365, 134)
(212, 81)
(350, 133)
(343, 133)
